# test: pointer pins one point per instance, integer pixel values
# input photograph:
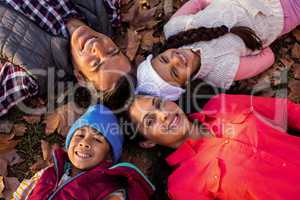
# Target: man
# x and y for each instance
(45, 43)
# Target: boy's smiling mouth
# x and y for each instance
(82, 155)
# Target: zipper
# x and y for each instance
(58, 188)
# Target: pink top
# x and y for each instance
(250, 66)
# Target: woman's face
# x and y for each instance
(176, 66)
(161, 122)
(98, 58)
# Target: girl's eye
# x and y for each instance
(164, 59)
(150, 121)
(174, 72)
(158, 103)
(96, 64)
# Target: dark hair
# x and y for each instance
(123, 91)
(251, 40)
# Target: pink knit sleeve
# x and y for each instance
(191, 7)
(251, 66)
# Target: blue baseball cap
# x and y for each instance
(105, 122)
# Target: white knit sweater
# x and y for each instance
(220, 57)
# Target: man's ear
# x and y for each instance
(81, 80)
(147, 144)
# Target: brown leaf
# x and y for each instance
(62, 119)
(294, 86)
(296, 34)
(7, 143)
(148, 40)
(11, 157)
(46, 150)
(3, 168)
(19, 129)
(296, 51)
(40, 164)
(296, 70)
(5, 126)
(32, 119)
(11, 185)
(168, 7)
(287, 62)
(133, 43)
(137, 17)
(2, 186)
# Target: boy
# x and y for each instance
(83, 172)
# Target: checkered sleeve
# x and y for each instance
(51, 16)
(16, 86)
(114, 12)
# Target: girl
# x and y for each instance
(239, 150)
(220, 41)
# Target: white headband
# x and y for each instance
(149, 82)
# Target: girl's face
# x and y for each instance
(161, 122)
(176, 66)
(87, 148)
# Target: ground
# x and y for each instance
(33, 136)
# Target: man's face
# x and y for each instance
(87, 148)
(160, 122)
(98, 58)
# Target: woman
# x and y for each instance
(239, 150)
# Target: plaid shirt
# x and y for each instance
(51, 16)
(16, 85)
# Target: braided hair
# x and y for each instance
(251, 40)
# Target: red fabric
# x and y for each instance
(94, 184)
(251, 156)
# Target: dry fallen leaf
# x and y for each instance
(11, 157)
(296, 70)
(3, 168)
(7, 143)
(2, 186)
(19, 129)
(148, 40)
(11, 185)
(294, 86)
(5, 126)
(138, 17)
(32, 119)
(168, 7)
(40, 164)
(46, 150)
(62, 119)
(133, 43)
(296, 51)
(296, 34)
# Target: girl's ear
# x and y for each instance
(147, 144)
(81, 80)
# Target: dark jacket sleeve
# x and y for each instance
(95, 13)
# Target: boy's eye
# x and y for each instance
(98, 140)
(80, 135)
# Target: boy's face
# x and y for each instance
(176, 66)
(87, 148)
(98, 58)
(160, 122)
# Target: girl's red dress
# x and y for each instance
(251, 157)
